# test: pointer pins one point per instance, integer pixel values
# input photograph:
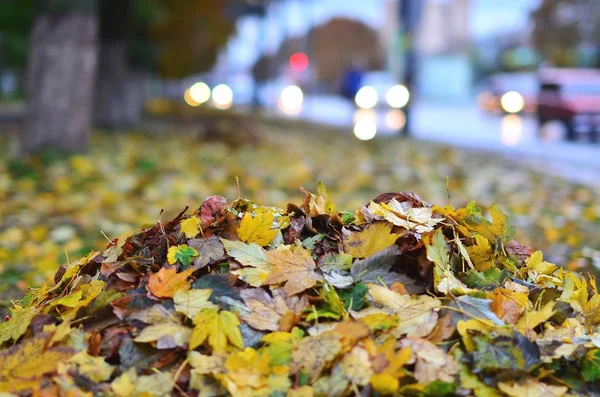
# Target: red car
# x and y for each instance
(572, 97)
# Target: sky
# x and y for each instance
(295, 17)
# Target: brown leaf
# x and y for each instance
(267, 311)
(296, 269)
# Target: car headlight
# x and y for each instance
(512, 102)
(397, 96)
(290, 100)
(222, 96)
(366, 97)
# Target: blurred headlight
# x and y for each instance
(200, 92)
(222, 96)
(365, 130)
(290, 100)
(397, 96)
(366, 98)
(187, 97)
(512, 102)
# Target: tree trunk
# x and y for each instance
(119, 88)
(60, 80)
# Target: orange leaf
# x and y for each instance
(164, 283)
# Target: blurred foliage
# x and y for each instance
(174, 37)
(567, 32)
(51, 205)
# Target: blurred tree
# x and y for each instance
(172, 38)
(335, 45)
(60, 75)
(564, 29)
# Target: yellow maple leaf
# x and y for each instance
(314, 352)
(17, 325)
(481, 253)
(25, 364)
(258, 229)
(531, 319)
(295, 268)
(166, 282)
(374, 238)
(190, 226)
(220, 328)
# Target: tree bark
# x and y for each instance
(119, 88)
(60, 81)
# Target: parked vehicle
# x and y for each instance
(509, 93)
(571, 97)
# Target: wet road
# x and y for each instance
(464, 125)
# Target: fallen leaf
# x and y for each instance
(191, 302)
(266, 311)
(314, 352)
(190, 226)
(166, 328)
(219, 328)
(257, 230)
(209, 250)
(296, 269)
(29, 362)
(182, 253)
(251, 255)
(166, 282)
(532, 388)
(372, 239)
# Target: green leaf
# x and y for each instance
(590, 366)
(437, 388)
(499, 353)
(354, 298)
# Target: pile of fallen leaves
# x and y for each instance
(397, 298)
(55, 206)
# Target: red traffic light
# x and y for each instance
(298, 62)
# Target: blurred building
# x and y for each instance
(443, 41)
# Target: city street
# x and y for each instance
(464, 125)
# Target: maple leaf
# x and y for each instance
(314, 352)
(372, 239)
(182, 253)
(247, 371)
(209, 249)
(212, 208)
(258, 229)
(190, 226)
(481, 253)
(266, 311)
(29, 362)
(166, 282)
(498, 229)
(251, 255)
(220, 328)
(192, 302)
(295, 268)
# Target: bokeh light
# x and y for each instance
(397, 96)
(366, 97)
(512, 130)
(187, 97)
(200, 92)
(365, 129)
(512, 102)
(299, 62)
(290, 100)
(395, 119)
(222, 96)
